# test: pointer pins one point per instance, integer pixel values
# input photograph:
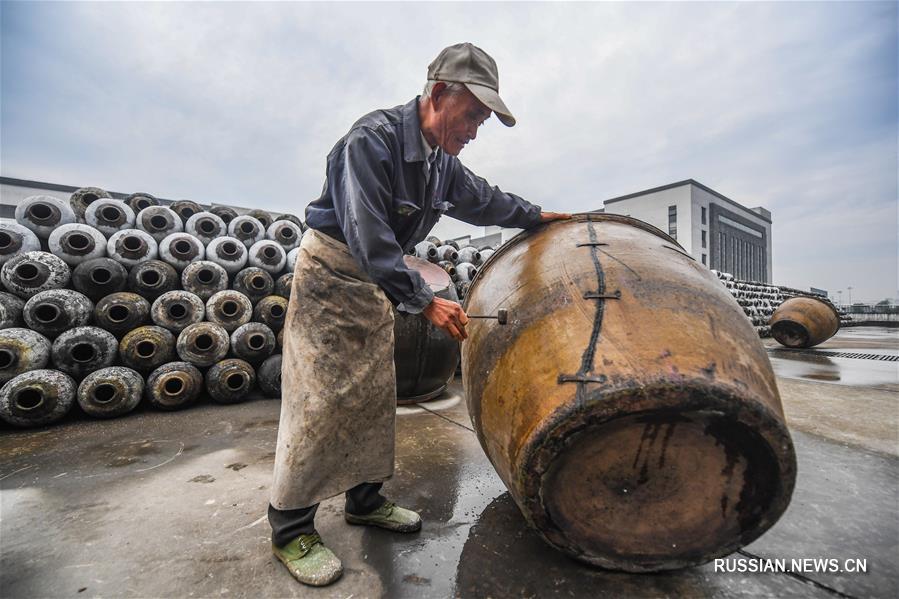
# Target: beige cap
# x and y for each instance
(468, 64)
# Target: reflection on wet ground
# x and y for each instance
(878, 337)
(845, 371)
(863, 338)
(173, 505)
(827, 362)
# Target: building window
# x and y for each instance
(703, 258)
(754, 273)
(745, 261)
(703, 239)
(735, 261)
(672, 221)
(703, 216)
(732, 223)
(750, 265)
(744, 251)
(722, 252)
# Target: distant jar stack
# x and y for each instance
(461, 263)
(760, 301)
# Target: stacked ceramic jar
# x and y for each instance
(461, 263)
(760, 300)
(110, 302)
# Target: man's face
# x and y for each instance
(458, 118)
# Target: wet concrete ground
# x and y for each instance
(828, 362)
(172, 505)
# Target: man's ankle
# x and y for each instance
(364, 499)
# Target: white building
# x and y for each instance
(714, 229)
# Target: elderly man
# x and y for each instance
(387, 183)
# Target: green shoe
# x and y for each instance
(309, 561)
(389, 516)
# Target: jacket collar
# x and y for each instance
(412, 150)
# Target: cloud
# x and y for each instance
(787, 105)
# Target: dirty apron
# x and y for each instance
(338, 383)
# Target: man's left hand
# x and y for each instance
(546, 217)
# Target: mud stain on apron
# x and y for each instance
(338, 382)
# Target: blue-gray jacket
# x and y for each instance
(375, 199)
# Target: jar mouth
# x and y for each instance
(132, 243)
(150, 278)
(104, 393)
(27, 271)
(46, 313)
(7, 358)
(173, 386)
(146, 349)
(204, 342)
(158, 222)
(101, 276)
(40, 212)
(236, 381)
(182, 247)
(29, 399)
(119, 313)
(111, 214)
(205, 276)
(83, 353)
(78, 241)
(177, 311)
(256, 342)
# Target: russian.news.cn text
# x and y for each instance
(806, 565)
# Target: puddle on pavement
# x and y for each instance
(841, 371)
(446, 475)
(860, 372)
(886, 335)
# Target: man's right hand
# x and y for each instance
(449, 316)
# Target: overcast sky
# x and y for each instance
(790, 106)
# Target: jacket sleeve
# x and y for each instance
(478, 203)
(360, 173)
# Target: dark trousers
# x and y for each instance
(289, 524)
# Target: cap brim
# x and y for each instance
(491, 100)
